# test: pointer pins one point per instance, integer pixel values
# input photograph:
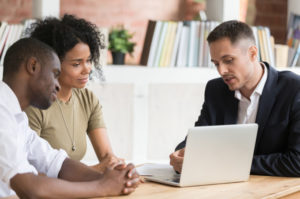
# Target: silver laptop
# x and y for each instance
(214, 154)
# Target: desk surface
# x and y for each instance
(257, 187)
(262, 187)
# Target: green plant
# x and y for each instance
(119, 40)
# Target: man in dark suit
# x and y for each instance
(250, 91)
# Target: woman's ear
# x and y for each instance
(33, 66)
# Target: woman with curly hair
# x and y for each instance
(76, 110)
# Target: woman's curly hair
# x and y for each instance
(63, 34)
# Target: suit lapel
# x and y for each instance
(266, 103)
(231, 108)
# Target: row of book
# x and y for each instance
(167, 43)
(265, 44)
(183, 44)
(9, 33)
(293, 40)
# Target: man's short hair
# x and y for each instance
(233, 30)
(21, 51)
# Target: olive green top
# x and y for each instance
(50, 124)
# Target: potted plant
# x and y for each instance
(119, 44)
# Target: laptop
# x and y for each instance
(213, 155)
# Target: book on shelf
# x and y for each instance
(183, 44)
(158, 51)
(270, 46)
(170, 44)
(10, 33)
(182, 50)
(265, 44)
(147, 42)
(205, 59)
(10, 38)
(201, 42)
(192, 47)
(163, 55)
(176, 43)
(153, 45)
(281, 54)
(5, 28)
(293, 40)
(295, 57)
(293, 35)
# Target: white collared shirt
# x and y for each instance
(247, 109)
(21, 149)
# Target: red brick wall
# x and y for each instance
(273, 13)
(14, 11)
(134, 14)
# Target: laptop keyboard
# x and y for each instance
(175, 178)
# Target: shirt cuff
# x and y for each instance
(56, 164)
(21, 169)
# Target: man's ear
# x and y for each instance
(33, 66)
(253, 53)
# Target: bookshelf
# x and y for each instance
(293, 16)
(293, 7)
(184, 44)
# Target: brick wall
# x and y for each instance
(14, 11)
(273, 13)
(134, 14)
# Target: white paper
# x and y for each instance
(153, 169)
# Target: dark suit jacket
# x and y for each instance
(277, 148)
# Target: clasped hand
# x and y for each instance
(122, 178)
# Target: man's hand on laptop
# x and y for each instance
(176, 159)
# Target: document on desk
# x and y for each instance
(153, 169)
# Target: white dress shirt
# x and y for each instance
(247, 109)
(21, 149)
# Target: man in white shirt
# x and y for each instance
(31, 69)
(250, 91)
